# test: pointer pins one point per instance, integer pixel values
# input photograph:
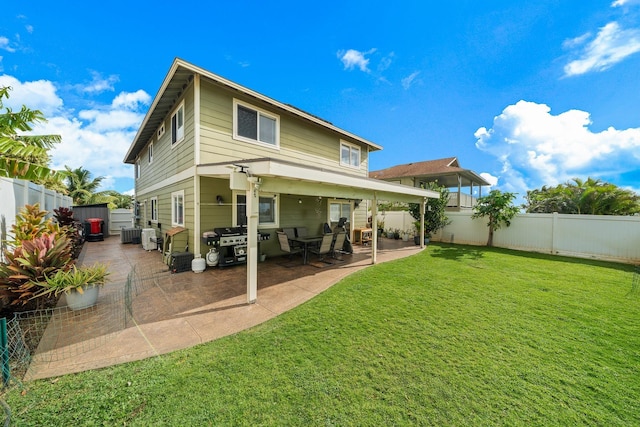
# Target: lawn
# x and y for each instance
(455, 335)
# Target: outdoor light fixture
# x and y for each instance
(300, 201)
(219, 199)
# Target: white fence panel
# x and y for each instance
(615, 238)
(16, 193)
(118, 219)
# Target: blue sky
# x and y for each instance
(525, 93)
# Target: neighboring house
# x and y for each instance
(462, 183)
(211, 153)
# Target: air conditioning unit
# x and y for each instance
(148, 244)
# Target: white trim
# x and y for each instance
(196, 119)
(259, 112)
(174, 196)
(352, 148)
(180, 130)
(150, 152)
(151, 208)
(275, 197)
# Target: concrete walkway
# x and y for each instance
(160, 312)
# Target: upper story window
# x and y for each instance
(252, 124)
(349, 155)
(150, 153)
(177, 124)
(136, 168)
(160, 131)
(177, 208)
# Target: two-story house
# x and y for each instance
(463, 184)
(211, 153)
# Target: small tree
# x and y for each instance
(498, 206)
(435, 216)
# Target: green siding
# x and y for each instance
(169, 160)
(300, 141)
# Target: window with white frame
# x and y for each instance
(349, 155)
(154, 209)
(160, 131)
(150, 152)
(268, 214)
(177, 208)
(252, 124)
(177, 124)
(136, 169)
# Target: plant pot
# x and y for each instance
(86, 299)
(405, 237)
(263, 257)
(416, 240)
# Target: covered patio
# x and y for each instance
(153, 312)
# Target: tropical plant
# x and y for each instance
(498, 206)
(590, 196)
(29, 264)
(435, 215)
(31, 222)
(73, 279)
(23, 156)
(70, 227)
(80, 185)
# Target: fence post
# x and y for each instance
(4, 347)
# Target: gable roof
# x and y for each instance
(176, 81)
(441, 169)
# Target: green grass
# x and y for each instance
(452, 336)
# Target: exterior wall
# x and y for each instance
(603, 237)
(164, 209)
(300, 142)
(169, 160)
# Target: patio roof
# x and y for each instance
(280, 176)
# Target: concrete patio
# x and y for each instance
(159, 312)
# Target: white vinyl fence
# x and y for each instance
(16, 193)
(606, 237)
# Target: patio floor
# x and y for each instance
(160, 312)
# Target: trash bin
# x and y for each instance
(94, 227)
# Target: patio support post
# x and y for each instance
(252, 238)
(459, 191)
(422, 211)
(374, 229)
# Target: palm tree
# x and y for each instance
(80, 185)
(23, 156)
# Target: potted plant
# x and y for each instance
(80, 285)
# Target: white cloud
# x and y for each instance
(5, 44)
(492, 180)
(131, 100)
(409, 80)
(611, 45)
(355, 59)
(99, 84)
(96, 139)
(538, 148)
(618, 3)
(37, 95)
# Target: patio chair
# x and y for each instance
(338, 243)
(291, 234)
(324, 249)
(285, 246)
(301, 232)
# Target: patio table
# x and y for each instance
(306, 241)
